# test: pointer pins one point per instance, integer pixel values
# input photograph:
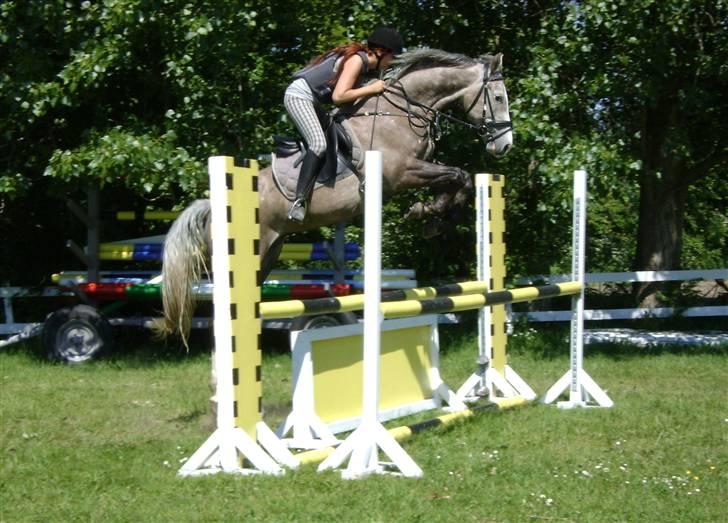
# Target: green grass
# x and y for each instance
(103, 442)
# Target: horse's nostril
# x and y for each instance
(506, 148)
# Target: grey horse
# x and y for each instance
(403, 123)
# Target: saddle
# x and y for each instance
(344, 157)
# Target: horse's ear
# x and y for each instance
(496, 65)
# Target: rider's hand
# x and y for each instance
(377, 86)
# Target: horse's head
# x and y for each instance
(428, 81)
(488, 107)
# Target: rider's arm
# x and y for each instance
(344, 91)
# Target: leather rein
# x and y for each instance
(429, 120)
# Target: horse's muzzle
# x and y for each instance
(497, 148)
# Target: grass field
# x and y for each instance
(103, 442)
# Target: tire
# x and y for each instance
(325, 320)
(76, 335)
(51, 325)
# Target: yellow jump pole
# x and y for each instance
(404, 432)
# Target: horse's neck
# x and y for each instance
(439, 87)
(436, 87)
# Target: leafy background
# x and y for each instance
(137, 94)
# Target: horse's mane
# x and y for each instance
(426, 58)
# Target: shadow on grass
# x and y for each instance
(192, 415)
(139, 347)
(30, 348)
(135, 347)
(454, 336)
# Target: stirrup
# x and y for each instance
(297, 212)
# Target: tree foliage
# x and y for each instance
(136, 95)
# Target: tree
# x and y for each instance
(131, 95)
(634, 91)
(135, 95)
(665, 81)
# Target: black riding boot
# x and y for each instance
(306, 180)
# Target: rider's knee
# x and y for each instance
(318, 147)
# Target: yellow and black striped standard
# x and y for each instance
(417, 306)
(245, 295)
(497, 268)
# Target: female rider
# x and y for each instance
(336, 76)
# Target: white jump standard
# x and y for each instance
(363, 445)
(583, 390)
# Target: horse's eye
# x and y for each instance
(499, 99)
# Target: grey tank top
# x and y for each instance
(319, 76)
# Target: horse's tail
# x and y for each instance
(186, 250)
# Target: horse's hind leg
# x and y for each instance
(271, 245)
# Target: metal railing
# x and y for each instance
(629, 313)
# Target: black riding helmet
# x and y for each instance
(386, 38)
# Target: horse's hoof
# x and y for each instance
(416, 211)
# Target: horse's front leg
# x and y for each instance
(442, 202)
(452, 186)
(419, 173)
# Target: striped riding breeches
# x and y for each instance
(304, 116)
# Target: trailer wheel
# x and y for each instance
(325, 320)
(76, 335)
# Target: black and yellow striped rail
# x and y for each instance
(404, 432)
(146, 215)
(429, 293)
(418, 301)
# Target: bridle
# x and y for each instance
(428, 118)
(489, 129)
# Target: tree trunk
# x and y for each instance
(663, 192)
(660, 232)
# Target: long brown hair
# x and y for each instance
(345, 51)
